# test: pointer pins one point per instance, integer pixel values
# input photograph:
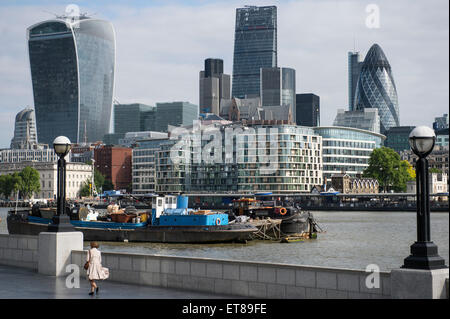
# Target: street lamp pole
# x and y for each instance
(424, 253)
(61, 221)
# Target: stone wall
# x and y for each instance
(19, 250)
(239, 278)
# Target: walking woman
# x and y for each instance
(94, 268)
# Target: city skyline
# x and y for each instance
(173, 56)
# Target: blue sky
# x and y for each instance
(161, 46)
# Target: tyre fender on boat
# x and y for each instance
(218, 221)
(283, 211)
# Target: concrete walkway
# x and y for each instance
(20, 283)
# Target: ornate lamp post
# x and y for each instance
(424, 253)
(61, 221)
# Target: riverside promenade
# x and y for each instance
(42, 264)
(22, 283)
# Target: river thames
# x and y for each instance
(352, 240)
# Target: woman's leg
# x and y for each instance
(93, 285)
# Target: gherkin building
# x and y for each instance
(376, 88)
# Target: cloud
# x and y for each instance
(161, 49)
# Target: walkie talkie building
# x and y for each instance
(72, 69)
(376, 88)
(255, 47)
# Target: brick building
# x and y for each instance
(114, 162)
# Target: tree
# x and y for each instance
(386, 166)
(99, 180)
(107, 185)
(29, 182)
(85, 189)
(9, 183)
(411, 170)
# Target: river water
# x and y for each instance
(352, 240)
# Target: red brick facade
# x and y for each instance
(114, 162)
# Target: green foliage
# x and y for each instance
(434, 170)
(108, 185)
(29, 182)
(391, 172)
(99, 180)
(9, 183)
(85, 189)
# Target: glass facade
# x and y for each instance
(376, 88)
(255, 47)
(296, 156)
(134, 117)
(307, 109)
(278, 88)
(397, 138)
(354, 68)
(72, 70)
(174, 113)
(347, 150)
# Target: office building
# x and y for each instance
(144, 165)
(24, 130)
(114, 162)
(440, 122)
(354, 69)
(72, 70)
(133, 117)
(175, 114)
(307, 109)
(376, 88)
(255, 47)
(131, 138)
(214, 86)
(76, 175)
(347, 150)
(397, 138)
(32, 155)
(294, 165)
(278, 88)
(365, 119)
(441, 137)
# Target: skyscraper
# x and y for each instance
(72, 70)
(376, 88)
(214, 86)
(308, 109)
(278, 88)
(255, 47)
(24, 130)
(354, 68)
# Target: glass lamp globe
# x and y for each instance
(421, 140)
(61, 145)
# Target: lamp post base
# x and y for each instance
(61, 224)
(424, 255)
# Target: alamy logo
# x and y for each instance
(73, 279)
(373, 19)
(373, 279)
(209, 144)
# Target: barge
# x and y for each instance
(171, 221)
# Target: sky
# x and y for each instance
(161, 47)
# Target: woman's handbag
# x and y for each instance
(86, 265)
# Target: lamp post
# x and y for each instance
(424, 253)
(61, 221)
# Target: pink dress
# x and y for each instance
(95, 270)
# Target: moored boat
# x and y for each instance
(171, 222)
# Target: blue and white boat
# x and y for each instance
(171, 222)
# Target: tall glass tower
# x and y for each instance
(255, 47)
(354, 68)
(376, 88)
(72, 69)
